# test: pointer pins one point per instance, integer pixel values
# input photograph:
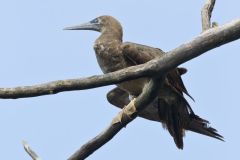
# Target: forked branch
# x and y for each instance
(124, 117)
(207, 14)
(209, 39)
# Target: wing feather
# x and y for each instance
(136, 54)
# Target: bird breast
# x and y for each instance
(109, 56)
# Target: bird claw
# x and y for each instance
(127, 111)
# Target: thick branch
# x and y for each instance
(206, 41)
(148, 94)
(207, 14)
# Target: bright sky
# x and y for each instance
(34, 49)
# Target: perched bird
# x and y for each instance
(170, 107)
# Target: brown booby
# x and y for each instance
(170, 106)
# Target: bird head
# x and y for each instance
(100, 24)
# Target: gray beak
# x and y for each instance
(85, 26)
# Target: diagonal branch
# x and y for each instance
(206, 41)
(207, 14)
(124, 117)
(30, 152)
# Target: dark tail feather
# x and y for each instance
(172, 121)
(177, 118)
(177, 133)
(201, 126)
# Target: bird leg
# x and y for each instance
(126, 112)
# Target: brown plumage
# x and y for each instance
(170, 107)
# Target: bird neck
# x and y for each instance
(110, 34)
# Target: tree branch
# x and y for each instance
(120, 98)
(124, 117)
(30, 152)
(210, 39)
(207, 14)
(206, 41)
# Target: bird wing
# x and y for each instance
(138, 54)
(118, 97)
(178, 114)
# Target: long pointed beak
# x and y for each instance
(85, 26)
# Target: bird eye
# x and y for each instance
(94, 21)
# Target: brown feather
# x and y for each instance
(170, 107)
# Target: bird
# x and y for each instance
(170, 106)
